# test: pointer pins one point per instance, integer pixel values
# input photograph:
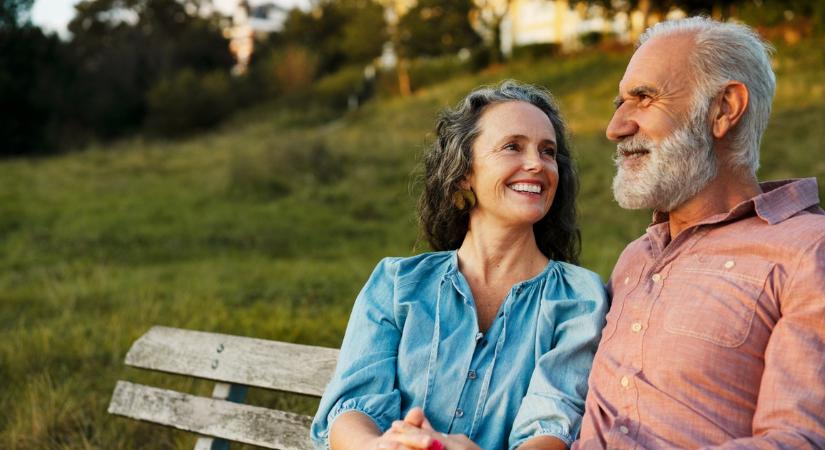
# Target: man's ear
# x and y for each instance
(732, 106)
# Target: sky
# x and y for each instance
(54, 15)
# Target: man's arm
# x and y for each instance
(790, 410)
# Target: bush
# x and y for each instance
(278, 170)
(429, 71)
(187, 102)
(285, 71)
(536, 51)
(336, 89)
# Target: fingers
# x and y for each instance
(415, 417)
(403, 436)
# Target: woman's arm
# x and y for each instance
(554, 403)
(355, 431)
(364, 379)
(543, 443)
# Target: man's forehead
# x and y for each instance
(658, 63)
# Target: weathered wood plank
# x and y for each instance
(275, 365)
(219, 418)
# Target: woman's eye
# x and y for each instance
(511, 146)
(549, 151)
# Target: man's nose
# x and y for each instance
(621, 126)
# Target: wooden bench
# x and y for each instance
(235, 363)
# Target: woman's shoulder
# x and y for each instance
(419, 267)
(581, 281)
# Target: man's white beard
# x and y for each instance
(675, 171)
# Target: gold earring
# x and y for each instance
(464, 198)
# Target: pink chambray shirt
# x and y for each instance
(717, 338)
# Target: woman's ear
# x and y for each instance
(732, 106)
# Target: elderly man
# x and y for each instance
(716, 333)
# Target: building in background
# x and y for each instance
(247, 22)
(569, 24)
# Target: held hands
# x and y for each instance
(416, 433)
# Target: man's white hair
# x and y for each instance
(726, 52)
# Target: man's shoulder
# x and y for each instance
(798, 232)
(635, 249)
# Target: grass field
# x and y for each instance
(267, 227)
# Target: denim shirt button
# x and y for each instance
(459, 412)
(472, 375)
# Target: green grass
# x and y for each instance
(267, 227)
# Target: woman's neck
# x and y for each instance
(494, 255)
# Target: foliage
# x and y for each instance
(341, 32)
(187, 102)
(436, 27)
(336, 89)
(489, 15)
(14, 13)
(35, 73)
(536, 51)
(431, 71)
(97, 84)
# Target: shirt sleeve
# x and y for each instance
(554, 403)
(364, 378)
(789, 410)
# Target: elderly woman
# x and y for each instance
(488, 341)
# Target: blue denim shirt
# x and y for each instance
(413, 340)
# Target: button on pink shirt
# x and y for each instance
(717, 338)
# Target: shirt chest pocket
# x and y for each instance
(714, 298)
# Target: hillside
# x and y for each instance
(268, 227)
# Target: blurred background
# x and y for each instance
(240, 167)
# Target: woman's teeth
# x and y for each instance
(526, 187)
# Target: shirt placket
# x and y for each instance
(474, 388)
(640, 306)
(635, 321)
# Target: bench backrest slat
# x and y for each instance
(254, 362)
(211, 417)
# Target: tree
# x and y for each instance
(436, 27)
(125, 47)
(342, 32)
(489, 14)
(14, 13)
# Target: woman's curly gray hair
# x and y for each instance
(449, 161)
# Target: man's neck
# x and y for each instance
(727, 190)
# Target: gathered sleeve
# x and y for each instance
(554, 403)
(365, 375)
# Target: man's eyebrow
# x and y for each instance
(637, 91)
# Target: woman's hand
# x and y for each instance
(353, 430)
(415, 424)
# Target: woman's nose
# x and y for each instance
(532, 161)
